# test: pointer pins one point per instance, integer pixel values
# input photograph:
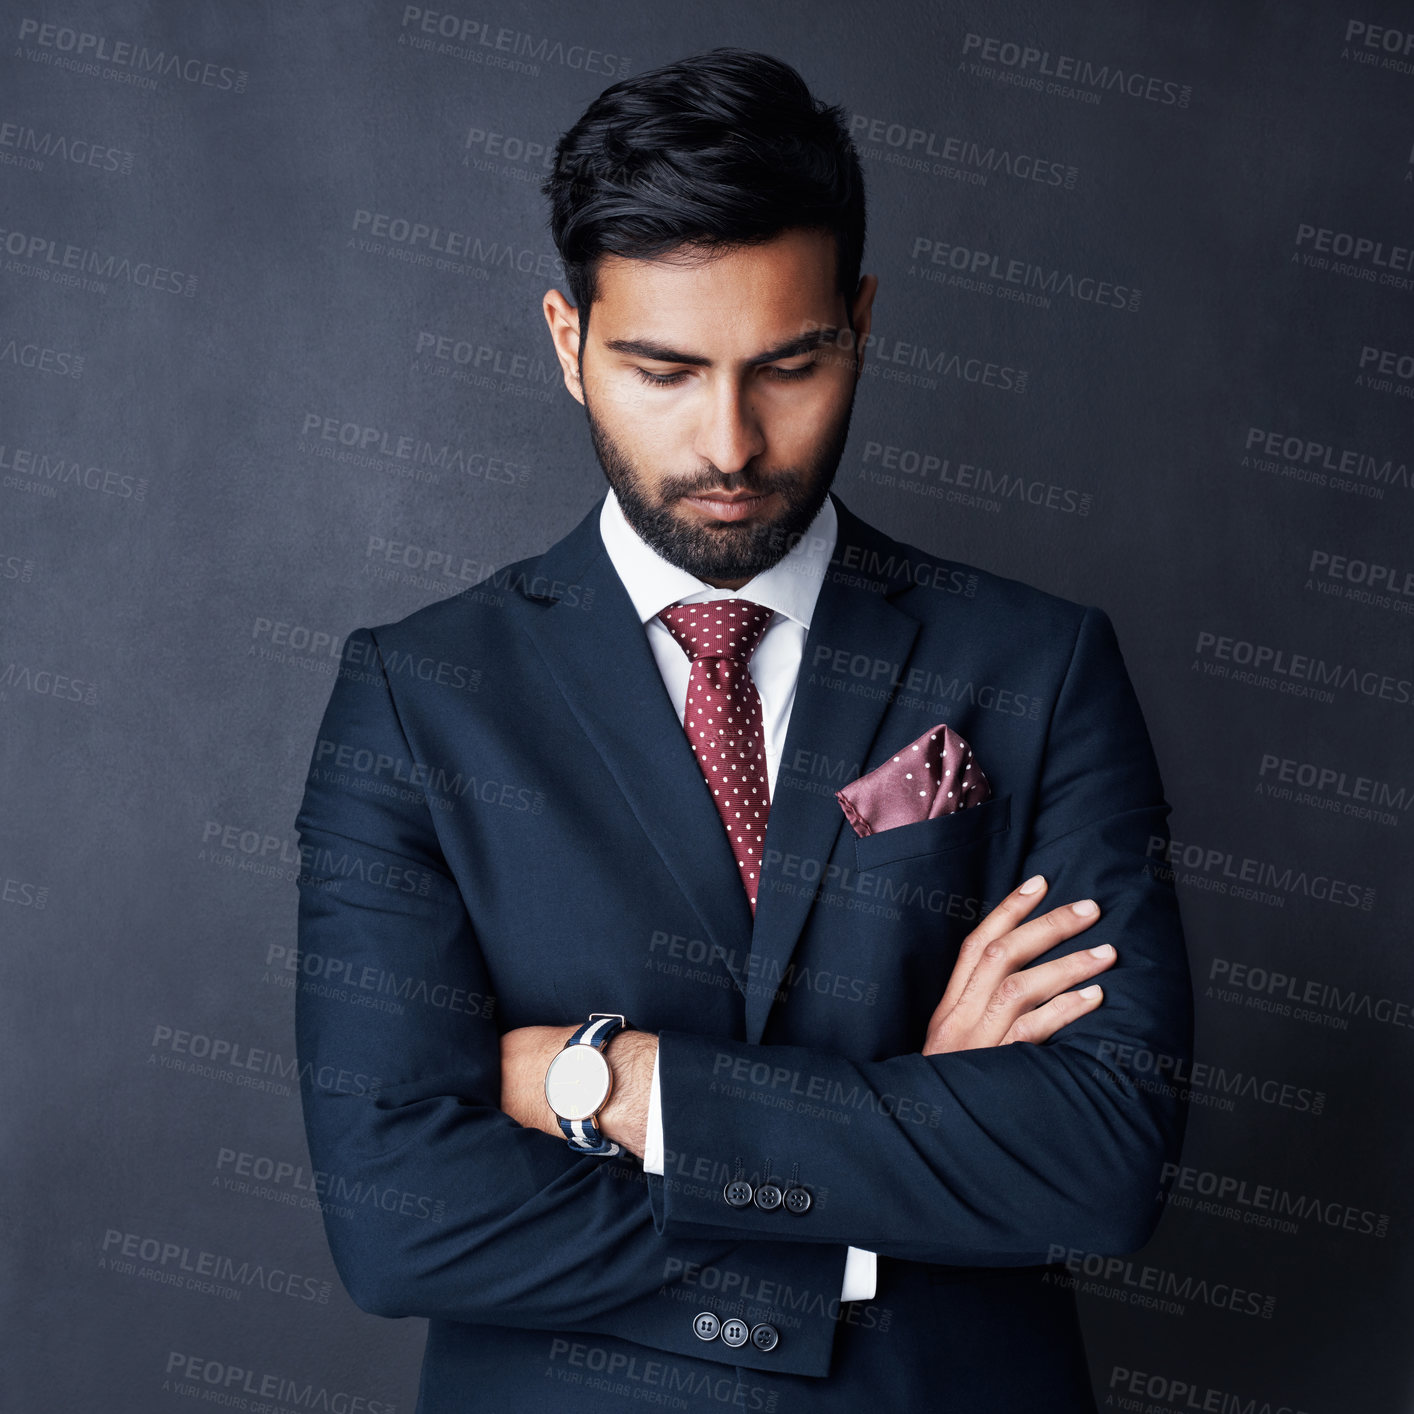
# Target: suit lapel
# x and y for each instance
(602, 663)
(835, 717)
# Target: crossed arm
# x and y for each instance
(993, 998)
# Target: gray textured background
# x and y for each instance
(193, 312)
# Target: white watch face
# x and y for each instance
(577, 1082)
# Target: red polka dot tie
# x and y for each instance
(723, 719)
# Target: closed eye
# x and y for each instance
(660, 380)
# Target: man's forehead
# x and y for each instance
(791, 275)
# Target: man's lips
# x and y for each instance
(722, 507)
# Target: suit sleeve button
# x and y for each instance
(738, 1193)
(735, 1332)
(705, 1326)
(768, 1197)
(797, 1199)
(765, 1337)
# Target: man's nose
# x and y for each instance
(730, 434)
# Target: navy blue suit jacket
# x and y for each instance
(504, 825)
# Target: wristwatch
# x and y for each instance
(579, 1082)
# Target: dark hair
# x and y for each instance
(724, 148)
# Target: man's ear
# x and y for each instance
(563, 319)
(861, 312)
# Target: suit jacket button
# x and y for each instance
(797, 1199)
(738, 1193)
(705, 1326)
(765, 1337)
(768, 1197)
(735, 1332)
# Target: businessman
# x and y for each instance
(729, 923)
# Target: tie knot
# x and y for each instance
(720, 628)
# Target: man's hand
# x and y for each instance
(526, 1053)
(993, 998)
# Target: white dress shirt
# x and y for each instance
(790, 587)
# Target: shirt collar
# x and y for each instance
(790, 587)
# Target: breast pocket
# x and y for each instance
(935, 836)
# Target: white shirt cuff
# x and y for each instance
(653, 1141)
(861, 1275)
(861, 1268)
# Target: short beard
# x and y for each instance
(731, 551)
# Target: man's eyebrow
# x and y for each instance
(661, 353)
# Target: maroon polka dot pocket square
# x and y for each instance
(934, 775)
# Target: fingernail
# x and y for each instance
(1104, 950)
(1085, 908)
(1089, 993)
(1032, 884)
